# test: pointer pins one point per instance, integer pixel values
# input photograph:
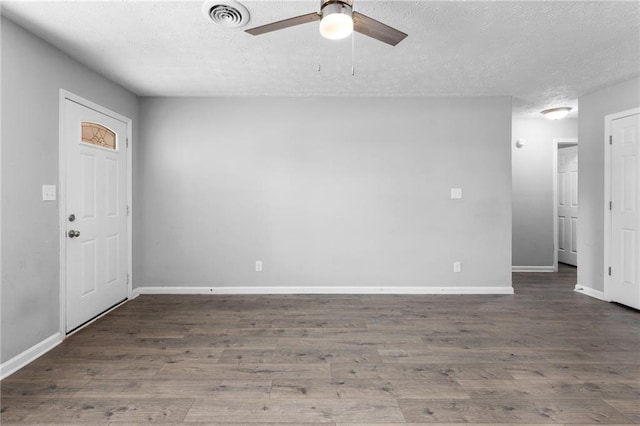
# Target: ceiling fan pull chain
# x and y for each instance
(353, 43)
(318, 55)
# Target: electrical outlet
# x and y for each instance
(456, 266)
(258, 265)
(456, 193)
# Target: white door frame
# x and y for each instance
(62, 205)
(608, 124)
(558, 143)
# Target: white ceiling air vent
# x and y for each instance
(228, 13)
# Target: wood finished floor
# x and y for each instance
(545, 355)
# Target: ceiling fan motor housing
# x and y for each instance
(329, 7)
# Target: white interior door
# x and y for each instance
(568, 205)
(624, 286)
(96, 212)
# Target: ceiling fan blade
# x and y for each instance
(286, 23)
(375, 29)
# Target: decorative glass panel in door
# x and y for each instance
(97, 134)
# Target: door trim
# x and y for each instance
(558, 143)
(608, 124)
(62, 206)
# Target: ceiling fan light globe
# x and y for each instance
(336, 22)
(336, 26)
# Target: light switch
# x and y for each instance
(48, 192)
(456, 193)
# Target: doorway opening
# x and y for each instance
(565, 202)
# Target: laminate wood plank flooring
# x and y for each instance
(546, 355)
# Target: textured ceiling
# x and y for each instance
(543, 54)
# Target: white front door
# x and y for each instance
(624, 285)
(95, 150)
(568, 205)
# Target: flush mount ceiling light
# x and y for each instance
(227, 13)
(556, 113)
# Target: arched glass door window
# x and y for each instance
(97, 134)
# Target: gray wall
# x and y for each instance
(32, 74)
(593, 108)
(533, 187)
(325, 191)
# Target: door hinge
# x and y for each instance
(610, 139)
(609, 270)
(610, 205)
(127, 142)
(127, 278)
(127, 210)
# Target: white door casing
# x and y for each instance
(96, 185)
(622, 253)
(567, 205)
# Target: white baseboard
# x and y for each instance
(17, 362)
(591, 292)
(323, 290)
(532, 268)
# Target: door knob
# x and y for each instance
(73, 233)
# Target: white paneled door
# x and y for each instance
(568, 205)
(96, 212)
(624, 285)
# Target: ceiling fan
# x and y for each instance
(337, 21)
